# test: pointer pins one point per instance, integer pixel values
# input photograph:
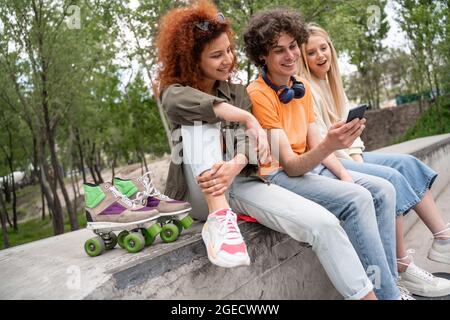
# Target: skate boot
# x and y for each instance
(174, 214)
(108, 210)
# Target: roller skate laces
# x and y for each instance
(173, 214)
(143, 191)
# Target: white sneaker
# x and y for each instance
(440, 249)
(224, 243)
(423, 283)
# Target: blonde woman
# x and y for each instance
(411, 178)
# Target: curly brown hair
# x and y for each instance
(265, 28)
(180, 43)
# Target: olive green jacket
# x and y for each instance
(184, 106)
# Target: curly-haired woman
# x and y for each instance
(196, 55)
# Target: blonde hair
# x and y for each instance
(333, 75)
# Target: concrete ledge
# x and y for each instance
(435, 152)
(58, 268)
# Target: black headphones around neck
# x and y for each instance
(285, 94)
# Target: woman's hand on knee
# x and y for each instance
(217, 180)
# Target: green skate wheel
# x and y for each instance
(94, 246)
(111, 242)
(121, 238)
(169, 232)
(187, 221)
(148, 238)
(154, 229)
(134, 242)
(178, 224)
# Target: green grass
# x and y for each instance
(20, 212)
(28, 194)
(37, 229)
(435, 120)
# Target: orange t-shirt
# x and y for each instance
(293, 117)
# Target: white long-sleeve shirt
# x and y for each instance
(322, 100)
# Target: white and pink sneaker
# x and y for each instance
(224, 243)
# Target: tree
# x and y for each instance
(11, 139)
(3, 220)
(142, 22)
(363, 43)
(426, 25)
(394, 67)
(48, 61)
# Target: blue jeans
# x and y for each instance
(410, 177)
(278, 209)
(366, 209)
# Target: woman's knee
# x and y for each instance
(324, 234)
(385, 190)
(359, 198)
(412, 162)
(328, 223)
(406, 158)
(383, 196)
(201, 147)
(392, 175)
(402, 162)
(313, 227)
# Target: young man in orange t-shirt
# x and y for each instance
(304, 164)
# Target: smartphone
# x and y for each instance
(356, 112)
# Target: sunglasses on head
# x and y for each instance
(204, 25)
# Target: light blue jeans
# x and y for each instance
(278, 209)
(366, 209)
(410, 177)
